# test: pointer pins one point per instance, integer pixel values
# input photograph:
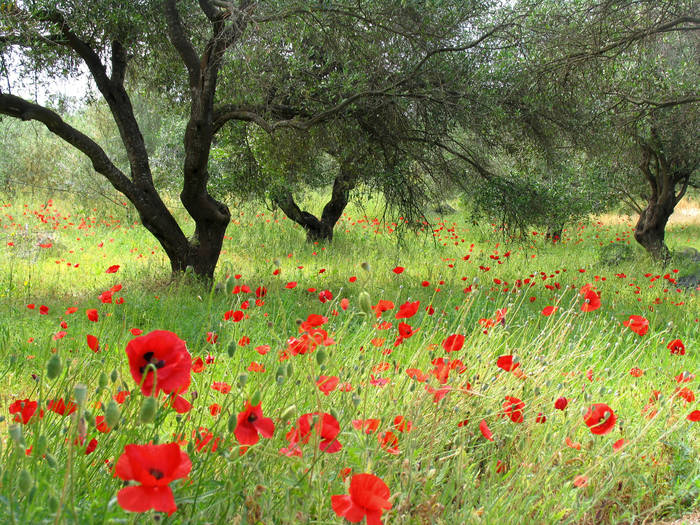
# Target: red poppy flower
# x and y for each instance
(406, 330)
(417, 374)
(513, 408)
(313, 321)
(398, 270)
(382, 306)
(368, 497)
(619, 444)
(327, 384)
(168, 354)
(367, 426)
(638, 324)
(591, 300)
(43, 310)
(389, 442)
(676, 347)
(222, 387)
(694, 416)
(561, 403)
(407, 310)
(485, 430)
(580, 481)
(636, 372)
(113, 269)
(453, 343)
(106, 297)
(23, 409)
(325, 425)
(600, 418)
(92, 315)
(541, 418)
(154, 467)
(61, 408)
(549, 310)
(93, 343)
(251, 423)
(507, 363)
(101, 424)
(402, 424)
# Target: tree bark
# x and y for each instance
(320, 229)
(650, 228)
(663, 180)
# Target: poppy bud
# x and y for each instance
(52, 503)
(365, 302)
(89, 418)
(290, 369)
(148, 409)
(232, 422)
(356, 400)
(334, 413)
(281, 372)
(288, 412)
(112, 414)
(231, 349)
(51, 461)
(321, 357)
(255, 401)
(276, 261)
(54, 367)
(243, 379)
(365, 266)
(102, 381)
(113, 376)
(25, 482)
(80, 393)
(40, 445)
(15, 432)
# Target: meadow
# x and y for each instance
(451, 375)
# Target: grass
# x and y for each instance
(444, 470)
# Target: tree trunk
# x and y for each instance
(663, 179)
(650, 228)
(320, 229)
(554, 233)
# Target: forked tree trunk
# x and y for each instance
(320, 229)
(663, 179)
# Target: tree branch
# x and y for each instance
(17, 107)
(182, 44)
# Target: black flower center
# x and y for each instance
(156, 473)
(150, 359)
(252, 418)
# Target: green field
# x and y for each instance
(541, 465)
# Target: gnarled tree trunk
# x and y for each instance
(662, 179)
(320, 229)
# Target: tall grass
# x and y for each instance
(445, 470)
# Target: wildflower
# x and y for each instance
(154, 467)
(638, 324)
(251, 423)
(600, 419)
(168, 354)
(368, 497)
